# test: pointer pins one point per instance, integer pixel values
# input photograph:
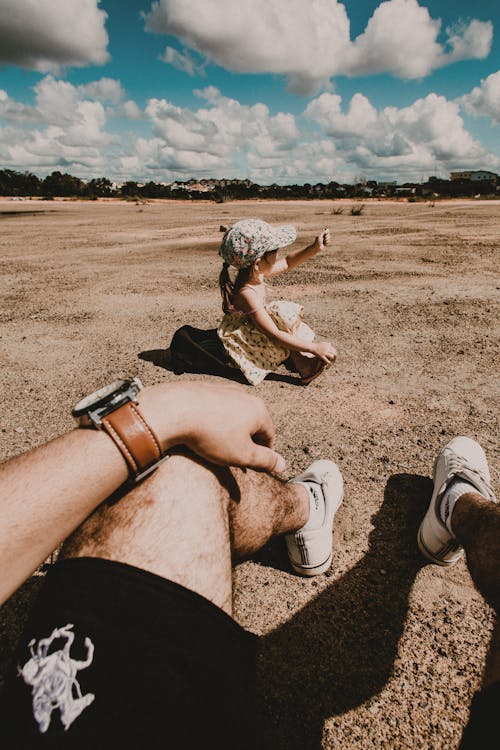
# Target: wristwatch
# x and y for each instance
(115, 410)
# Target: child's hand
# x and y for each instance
(323, 238)
(325, 351)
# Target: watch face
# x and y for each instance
(100, 397)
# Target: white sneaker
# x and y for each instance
(461, 458)
(311, 550)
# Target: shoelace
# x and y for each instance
(459, 463)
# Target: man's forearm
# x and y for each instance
(46, 493)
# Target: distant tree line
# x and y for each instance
(57, 184)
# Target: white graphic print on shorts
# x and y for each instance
(53, 679)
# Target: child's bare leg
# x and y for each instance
(305, 363)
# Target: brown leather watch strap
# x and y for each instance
(133, 436)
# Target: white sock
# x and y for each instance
(452, 493)
(316, 505)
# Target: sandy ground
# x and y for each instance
(384, 651)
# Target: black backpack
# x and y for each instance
(196, 350)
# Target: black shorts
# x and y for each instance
(116, 657)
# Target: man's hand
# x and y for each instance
(222, 423)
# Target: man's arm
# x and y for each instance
(46, 493)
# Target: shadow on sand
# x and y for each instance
(339, 650)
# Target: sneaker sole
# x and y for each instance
(316, 570)
(313, 570)
(444, 550)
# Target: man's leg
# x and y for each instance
(189, 520)
(476, 523)
(463, 516)
(129, 611)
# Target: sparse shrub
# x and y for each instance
(357, 210)
(337, 211)
(219, 195)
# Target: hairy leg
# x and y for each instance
(476, 524)
(189, 521)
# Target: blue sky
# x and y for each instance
(286, 91)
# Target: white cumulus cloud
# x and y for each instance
(48, 35)
(304, 41)
(13, 111)
(310, 42)
(182, 61)
(400, 37)
(485, 98)
(222, 127)
(68, 127)
(471, 40)
(65, 127)
(427, 134)
(220, 138)
(130, 110)
(103, 90)
(155, 158)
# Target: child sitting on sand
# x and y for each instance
(258, 337)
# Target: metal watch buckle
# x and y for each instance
(136, 479)
(120, 399)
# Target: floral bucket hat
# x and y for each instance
(250, 239)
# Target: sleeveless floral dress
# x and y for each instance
(250, 349)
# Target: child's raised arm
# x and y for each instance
(297, 257)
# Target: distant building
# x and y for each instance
(197, 187)
(475, 175)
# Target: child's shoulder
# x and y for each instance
(247, 298)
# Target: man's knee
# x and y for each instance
(184, 499)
